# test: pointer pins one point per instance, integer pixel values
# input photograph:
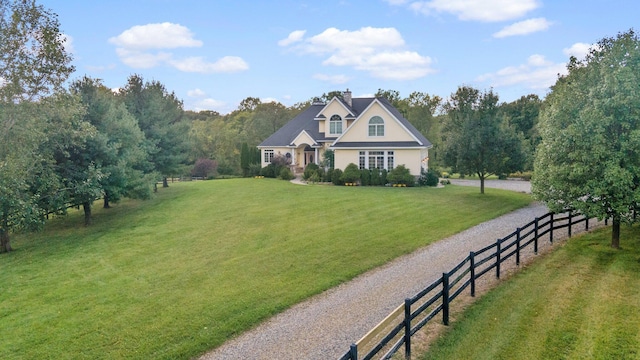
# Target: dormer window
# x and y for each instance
(335, 125)
(376, 126)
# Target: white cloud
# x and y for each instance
(396, 2)
(227, 64)
(524, 27)
(579, 50)
(486, 10)
(67, 42)
(197, 93)
(156, 36)
(135, 45)
(269, 100)
(293, 37)
(537, 73)
(211, 104)
(379, 51)
(333, 79)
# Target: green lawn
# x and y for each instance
(177, 275)
(580, 302)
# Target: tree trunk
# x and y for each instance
(87, 213)
(106, 202)
(481, 184)
(5, 245)
(164, 182)
(615, 232)
(155, 187)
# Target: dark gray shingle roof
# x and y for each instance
(305, 121)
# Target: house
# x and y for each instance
(368, 132)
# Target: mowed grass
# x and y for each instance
(200, 263)
(580, 302)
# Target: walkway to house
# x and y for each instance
(324, 326)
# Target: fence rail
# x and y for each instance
(396, 330)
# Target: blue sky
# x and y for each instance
(213, 54)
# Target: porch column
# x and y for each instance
(315, 160)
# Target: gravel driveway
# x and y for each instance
(324, 326)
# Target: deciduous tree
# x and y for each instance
(476, 139)
(589, 157)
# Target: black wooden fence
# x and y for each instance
(397, 328)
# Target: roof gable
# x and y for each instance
(399, 130)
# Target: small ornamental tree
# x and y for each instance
(204, 168)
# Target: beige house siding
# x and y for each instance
(345, 157)
(276, 151)
(333, 108)
(359, 131)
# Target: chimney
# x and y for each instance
(346, 96)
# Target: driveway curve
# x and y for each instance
(324, 326)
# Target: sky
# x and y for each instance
(213, 54)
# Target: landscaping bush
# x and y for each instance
(286, 174)
(428, 178)
(375, 178)
(309, 170)
(401, 175)
(351, 174)
(254, 169)
(383, 177)
(336, 177)
(327, 176)
(268, 171)
(365, 177)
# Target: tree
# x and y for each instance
(33, 66)
(118, 147)
(159, 114)
(589, 157)
(523, 114)
(475, 139)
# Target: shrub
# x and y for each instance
(204, 168)
(428, 178)
(327, 175)
(383, 177)
(351, 174)
(336, 177)
(401, 175)
(365, 177)
(376, 180)
(315, 177)
(254, 169)
(309, 170)
(268, 171)
(286, 174)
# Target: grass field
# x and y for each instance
(177, 275)
(580, 302)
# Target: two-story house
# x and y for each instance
(368, 132)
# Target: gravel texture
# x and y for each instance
(324, 326)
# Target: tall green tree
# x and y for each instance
(589, 157)
(159, 114)
(476, 139)
(33, 66)
(118, 148)
(523, 115)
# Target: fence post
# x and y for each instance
(535, 239)
(498, 258)
(353, 352)
(551, 229)
(586, 223)
(606, 221)
(472, 267)
(407, 328)
(570, 216)
(445, 298)
(518, 246)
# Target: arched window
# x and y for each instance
(335, 125)
(376, 126)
